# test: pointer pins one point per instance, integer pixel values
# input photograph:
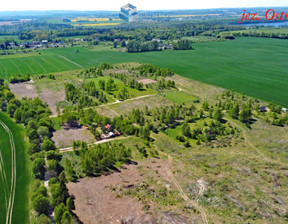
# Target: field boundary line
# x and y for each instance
(73, 62)
(13, 175)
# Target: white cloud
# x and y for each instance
(141, 4)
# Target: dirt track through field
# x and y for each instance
(73, 62)
(181, 191)
(9, 210)
(4, 178)
(122, 101)
(261, 155)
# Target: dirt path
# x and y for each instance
(181, 191)
(73, 62)
(70, 149)
(123, 101)
(13, 175)
(116, 102)
(261, 156)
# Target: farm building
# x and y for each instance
(129, 13)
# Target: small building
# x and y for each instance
(45, 42)
(262, 109)
(284, 109)
(108, 126)
(111, 134)
(157, 40)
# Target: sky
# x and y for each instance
(114, 5)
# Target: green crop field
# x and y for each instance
(254, 66)
(20, 207)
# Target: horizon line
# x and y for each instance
(103, 10)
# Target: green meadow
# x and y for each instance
(254, 66)
(20, 212)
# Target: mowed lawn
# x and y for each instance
(255, 66)
(21, 202)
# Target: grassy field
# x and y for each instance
(254, 66)
(20, 208)
(180, 97)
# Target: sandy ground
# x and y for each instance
(52, 98)
(64, 138)
(147, 81)
(97, 203)
(25, 89)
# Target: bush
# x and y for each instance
(41, 204)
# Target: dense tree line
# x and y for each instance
(241, 108)
(182, 45)
(266, 33)
(139, 46)
(153, 70)
(17, 79)
(101, 158)
(34, 115)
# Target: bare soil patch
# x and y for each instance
(52, 98)
(64, 138)
(98, 201)
(25, 89)
(147, 81)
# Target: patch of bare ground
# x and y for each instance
(52, 98)
(147, 81)
(102, 199)
(106, 111)
(25, 89)
(64, 138)
(198, 89)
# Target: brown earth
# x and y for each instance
(64, 138)
(97, 200)
(147, 81)
(25, 89)
(52, 98)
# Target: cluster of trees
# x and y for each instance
(34, 115)
(81, 96)
(17, 79)
(123, 94)
(163, 84)
(266, 33)
(5, 44)
(242, 108)
(133, 83)
(108, 86)
(182, 45)
(96, 71)
(97, 159)
(139, 46)
(91, 89)
(152, 70)
(206, 134)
